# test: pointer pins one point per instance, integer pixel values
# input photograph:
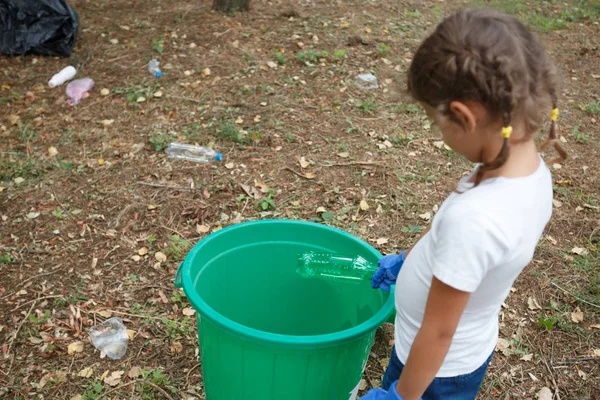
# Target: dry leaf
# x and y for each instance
(76, 397)
(206, 72)
(551, 239)
(381, 241)
(439, 144)
(188, 311)
(104, 313)
(52, 151)
(580, 251)
(14, 119)
(264, 188)
(362, 385)
(44, 380)
(595, 326)
(114, 379)
(34, 340)
(160, 256)
(364, 205)
(158, 94)
(597, 352)
(86, 372)
(272, 64)
(503, 346)
(309, 175)
(533, 304)
(533, 377)
(557, 203)
(141, 99)
(75, 347)
(105, 92)
(425, 216)
(176, 347)
(527, 357)
(19, 180)
(582, 374)
(143, 251)
(303, 162)
(107, 122)
(229, 165)
(545, 394)
(202, 229)
(134, 372)
(577, 316)
(131, 334)
(344, 154)
(321, 209)
(136, 258)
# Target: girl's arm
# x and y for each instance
(445, 306)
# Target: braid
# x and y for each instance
(552, 139)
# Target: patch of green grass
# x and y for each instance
(177, 247)
(20, 166)
(368, 106)
(580, 137)
(289, 137)
(58, 213)
(546, 322)
(311, 56)
(160, 141)
(93, 391)
(383, 49)
(39, 319)
(592, 108)
(413, 230)
(158, 45)
(6, 259)
(340, 54)
(158, 378)
(267, 202)
(231, 131)
(175, 330)
(280, 57)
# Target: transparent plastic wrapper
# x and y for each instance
(190, 152)
(335, 266)
(110, 337)
(366, 81)
(77, 89)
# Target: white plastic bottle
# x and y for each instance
(63, 76)
(199, 154)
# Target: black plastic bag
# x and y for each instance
(46, 27)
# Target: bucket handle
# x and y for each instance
(178, 282)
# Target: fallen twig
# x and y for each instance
(164, 393)
(187, 98)
(571, 361)
(12, 340)
(345, 164)
(578, 298)
(297, 173)
(158, 185)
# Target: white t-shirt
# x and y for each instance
(479, 242)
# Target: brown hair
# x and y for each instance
(492, 58)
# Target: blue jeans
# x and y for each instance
(462, 387)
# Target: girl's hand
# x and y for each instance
(389, 267)
(380, 394)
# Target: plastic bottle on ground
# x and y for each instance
(188, 152)
(154, 68)
(334, 266)
(63, 76)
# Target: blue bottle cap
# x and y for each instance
(159, 74)
(218, 156)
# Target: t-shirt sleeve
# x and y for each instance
(467, 244)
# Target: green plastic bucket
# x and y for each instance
(267, 333)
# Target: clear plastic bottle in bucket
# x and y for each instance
(335, 266)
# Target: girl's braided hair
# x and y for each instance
(492, 58)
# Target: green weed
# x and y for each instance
(58, 213)
(280, 57)
(368, 106)
(339, 54)
(546, 322)
(177, 247)
(229, 130)
(383, 49)
(592, 108)
(175, 330)
(310, 56)
(267, 202)
(413, 230)
(580, 137)
(6, 259)
(160, 141)
(93, 392)
(158, 45)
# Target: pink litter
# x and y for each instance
(77, 89)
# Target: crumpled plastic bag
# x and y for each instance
(45, 27)
(110, 337)
(77, 89)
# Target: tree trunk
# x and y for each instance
(231, 5)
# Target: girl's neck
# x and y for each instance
(523, 160)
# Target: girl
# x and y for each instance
(486, 82)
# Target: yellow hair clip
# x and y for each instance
(554, 114)
(506, 132)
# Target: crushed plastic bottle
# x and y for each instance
(154, 68)
(189, 152)
(366, 81)
(66, 74)
(77, 89)
(110, 337)
(334, 266)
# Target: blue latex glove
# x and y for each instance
(380, 394)
(386, 274)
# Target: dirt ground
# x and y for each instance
(95, 218)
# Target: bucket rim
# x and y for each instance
(290, 341)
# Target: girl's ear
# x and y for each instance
(464, 115)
